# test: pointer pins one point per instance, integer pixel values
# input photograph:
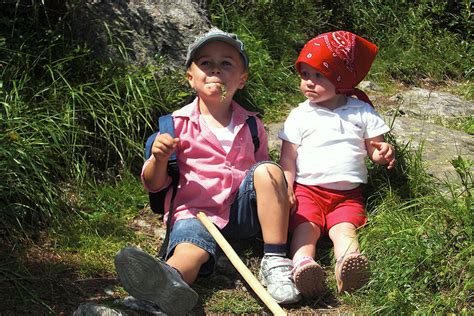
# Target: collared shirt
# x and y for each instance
(209, 176)
(332, 142)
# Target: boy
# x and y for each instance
(241, 192)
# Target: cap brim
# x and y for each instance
(215, 38)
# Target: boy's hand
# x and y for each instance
(163, 147)
(384, 153)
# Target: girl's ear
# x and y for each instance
(243, 79)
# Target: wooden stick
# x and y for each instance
(240, 266)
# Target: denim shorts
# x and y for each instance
(243, 223)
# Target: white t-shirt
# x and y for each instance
(225, 135)
(331, 150)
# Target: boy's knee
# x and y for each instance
(268, 171)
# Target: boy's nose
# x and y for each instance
(215, 70)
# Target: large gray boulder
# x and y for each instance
(432, 105)
(151, 29)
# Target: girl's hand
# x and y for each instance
(291, 199)
(163, 146)
(384, 153)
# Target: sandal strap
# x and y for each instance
(302, 261)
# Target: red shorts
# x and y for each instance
(326, 207)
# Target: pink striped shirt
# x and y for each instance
(210, 177)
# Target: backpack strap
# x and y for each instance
(252, 123)
(166, 125)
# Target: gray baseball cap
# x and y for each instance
(215, 34)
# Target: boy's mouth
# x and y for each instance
(222, 87)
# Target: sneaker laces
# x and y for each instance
(281, 271)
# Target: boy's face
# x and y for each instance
(317, 88)
(217, 67)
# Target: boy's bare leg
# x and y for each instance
(273, 214)
(148, 278)
(188, 259)
(305, 237)
(272, 203)
(344, 238)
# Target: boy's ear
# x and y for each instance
(189, 77)
(243, 79)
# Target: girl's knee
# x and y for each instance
(345, 228)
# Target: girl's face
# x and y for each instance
(217, 67)
(319, 89)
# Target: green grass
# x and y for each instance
(72, 133)
(100, 223)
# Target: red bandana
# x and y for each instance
(342, 57)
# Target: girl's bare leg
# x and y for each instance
(344, 238)
(303, 243)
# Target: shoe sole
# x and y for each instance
(309, 280)
(144, 277)
(354, 273)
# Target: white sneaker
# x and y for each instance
(276, 274)
(150, 279)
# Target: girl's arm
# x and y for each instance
(380, 152)
(155, 171)
(288, 163)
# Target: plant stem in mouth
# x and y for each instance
(223, 92)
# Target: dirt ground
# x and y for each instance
(36, 281)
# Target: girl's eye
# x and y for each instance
(204, 62)
(226, 63)
(318, 75)
(304, 75)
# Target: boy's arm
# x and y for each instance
(380, 152)
(288, 157)
(155, 171)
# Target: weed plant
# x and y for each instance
(420, 247)
(68, 118)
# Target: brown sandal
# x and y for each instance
(352, 272)
(309, 279)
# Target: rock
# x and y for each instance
(439, 145)
(274, 143)
(93, 309)
(429, 104)
(151, 29)
(141, 306)
(368, 86)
